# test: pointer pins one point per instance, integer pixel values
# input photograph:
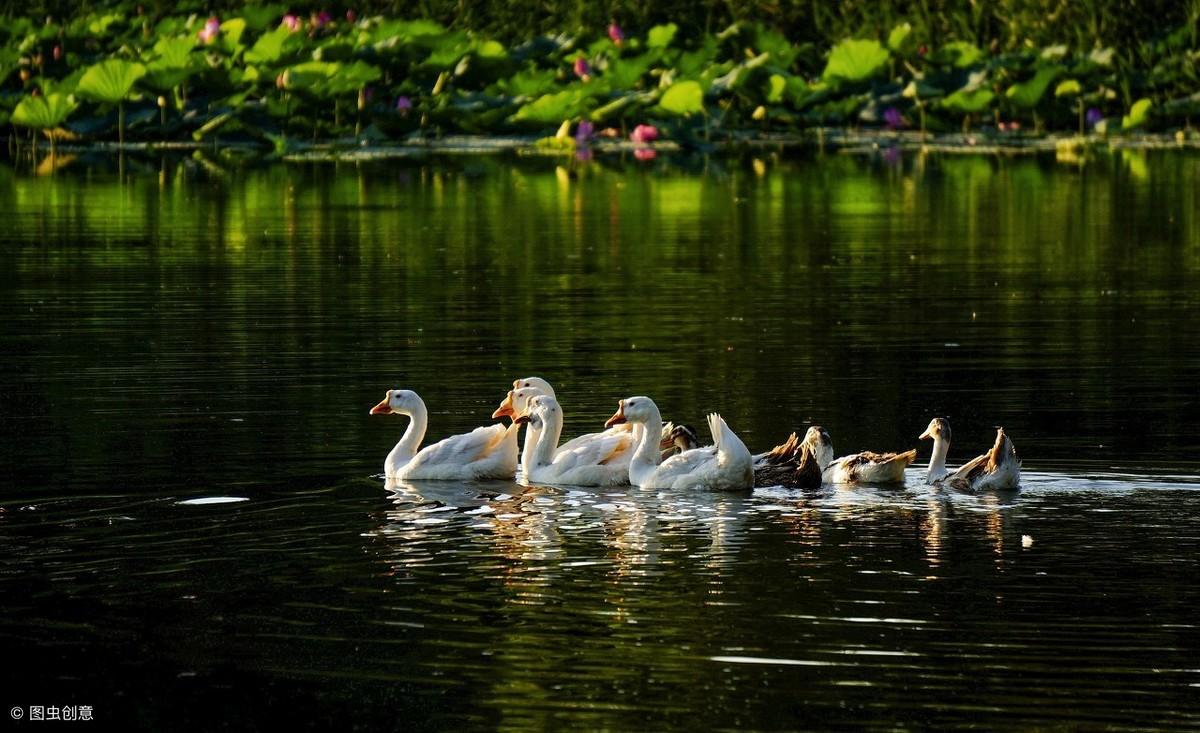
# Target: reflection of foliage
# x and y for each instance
(266, 74)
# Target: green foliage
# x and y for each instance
(959, 54)
(450, 78)
(110, 81)
(1068, 88)
(1028, 93)
(968, 102)
(660, 36)
(553, 108)
(901, 40)
(855, 60)
(683, 98)
(271, 47)
(45, 112)
(1138, 114)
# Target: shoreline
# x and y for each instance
(818, 140)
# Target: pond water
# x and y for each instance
(194, 532)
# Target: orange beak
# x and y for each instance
(505, 409)
(383, 408)
(618, 418)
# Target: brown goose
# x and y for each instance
(999, 468)
(790, 464)
(866, 467)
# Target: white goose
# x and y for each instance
(726, 464)
(864, 467)
(486, 452)
(999, 468)
(590, 464)
(516, 403)
(627, 435)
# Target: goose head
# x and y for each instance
(634, 410)
(534, 383)
(818, 441)
(397, 402)
(539, 410)
(939, 428)
(516, 403)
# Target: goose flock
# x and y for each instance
(638, 449)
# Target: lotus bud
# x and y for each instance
(582, 68)
(760, 113)
(162, 101)
(644, 134)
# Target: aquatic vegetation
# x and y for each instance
(265, 74)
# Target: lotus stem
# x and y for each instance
(121, 124)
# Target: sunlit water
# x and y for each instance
(194, 532)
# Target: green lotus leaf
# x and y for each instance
(44, 112)
(553, 108)
(628, 73)
(1138, 114)
(1068, 88)
(855, 60)
(683, 98)
(901, 40)
(110, 81)
(776, 85)
(260, 17)
(959, 54)
(491, 50)
(1028, 93)
(311, 76)
(767, 40)
(231, 34)
(352, 77)
(174, 52)
(660, 36)
(529, 83)
(692, 63)
(272, 46)
(968, 102)
(102, 24)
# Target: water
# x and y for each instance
(194, 534)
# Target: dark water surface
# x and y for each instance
(177, 337)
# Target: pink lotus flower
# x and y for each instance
(644, 134)
(616, 34)
(321, 19)
(645, 153)
(210, 31)
(351, 16)
(582, 68)
(58, 53)
(403, 105)
(292, 22)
